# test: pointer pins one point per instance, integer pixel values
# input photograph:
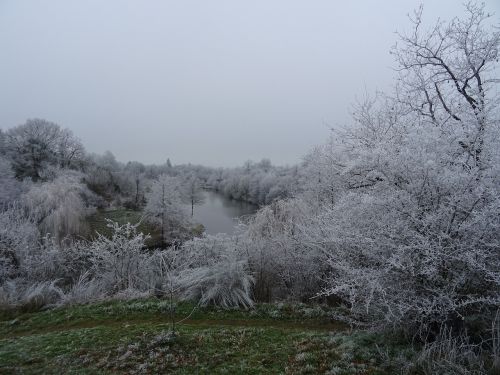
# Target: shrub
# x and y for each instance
(226, 284)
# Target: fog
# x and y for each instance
(206, 82)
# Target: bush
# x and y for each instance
(27, 296)
(226, 284)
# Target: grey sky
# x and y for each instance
(207, 82)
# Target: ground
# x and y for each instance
(135, 337)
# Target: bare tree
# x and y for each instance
(447, 73)
(192, 192)
(136, 172)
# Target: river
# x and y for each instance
(219, 214)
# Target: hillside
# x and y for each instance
(133, 337)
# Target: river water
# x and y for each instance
(219, 214)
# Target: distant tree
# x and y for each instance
(10, 188)
(247, 166)
(192, 192)
(2, 142)
(244, 188)
(320, 175)
(70, 150)
(38, 143)
(265, 165)
(215, 178)
(164, 206)
(136, 172)
(103, 175)
(108, 161)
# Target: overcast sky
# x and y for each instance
(208, 82)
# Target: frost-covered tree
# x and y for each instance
(164, 207)
(134, 173)
(447, 76)
(257, 183)
(10, 188)
(284, 267)
(265, 165)
(192, 192)
(412, 228)
(104, 176)
(59, 206)
(38, 143)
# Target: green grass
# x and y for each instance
(132, 337)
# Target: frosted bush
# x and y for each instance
(84, 290)
(18, 238)
(118, 260)
(226, 284)
(30, 296)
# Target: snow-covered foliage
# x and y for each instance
(451, 354)
(18, 237)
(395, 217)
(85, 289)
(259, 183)
(284, 268)
(408, 211)
(208, 270)
(225, 284)
(402, 258)
(136, 183)
(39, 143)
(48, 272)
(164, 207)
(28, 295)
(103, 175)
(192, 192)
(59, 206)
(218, 273)
(11, 188)
(118, 260)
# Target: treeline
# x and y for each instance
(47, 168)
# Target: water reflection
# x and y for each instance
(219, 214)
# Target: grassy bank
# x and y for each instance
(133, 337)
